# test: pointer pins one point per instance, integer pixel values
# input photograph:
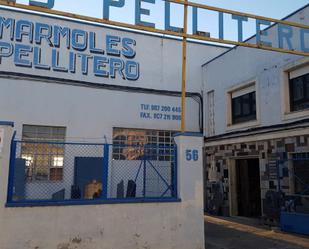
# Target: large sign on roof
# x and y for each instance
(78, 52)
(291, 37)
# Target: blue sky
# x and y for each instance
(207, 20)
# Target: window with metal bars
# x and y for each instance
(44, 160)
(133, 144)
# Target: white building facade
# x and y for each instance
(88, 102)
(256, 123)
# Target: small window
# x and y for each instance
(299, 92)
(44, 161)
(244, 108)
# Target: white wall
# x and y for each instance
(129, 226)
(242, 65)
(89, 114)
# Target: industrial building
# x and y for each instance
(96, 110)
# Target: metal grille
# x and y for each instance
(152, 177)
(44, 161)
(59, 172)
(137, 138)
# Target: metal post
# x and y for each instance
(184, 68)
(144, 178)
(105, 171)
(11, 169)
(175, 174)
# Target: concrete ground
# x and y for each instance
(242, 233)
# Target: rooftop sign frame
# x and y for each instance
(261, 20)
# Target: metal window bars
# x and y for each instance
(51, 173)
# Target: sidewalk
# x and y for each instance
(242, 233)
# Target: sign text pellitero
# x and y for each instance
(290, 37)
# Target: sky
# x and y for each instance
(208, 20)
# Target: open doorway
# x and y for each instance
(248, 187)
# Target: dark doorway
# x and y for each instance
(248, 187)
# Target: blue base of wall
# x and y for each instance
(295, 223)
(90, 202)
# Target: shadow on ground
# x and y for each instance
(238, 233)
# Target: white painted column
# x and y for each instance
(190, 180)
(6, 132)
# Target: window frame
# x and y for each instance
(242, 117)
(295, 104)
(157, 138)
(286, 110)
(34, 153)
(236, 91)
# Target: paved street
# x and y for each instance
(241, 233)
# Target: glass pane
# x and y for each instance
(307, 77)
(58, 161)
(29, 129)
(298, 89)
(237, 106)
(253, 96)
(246, 104)
(246, 109)
(40, 157)
(29, 136)
(56, 174)
(41, 173)
(46, 133)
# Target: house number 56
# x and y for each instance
(192, 155)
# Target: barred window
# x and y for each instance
(132, 144)
(44, 161)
